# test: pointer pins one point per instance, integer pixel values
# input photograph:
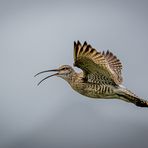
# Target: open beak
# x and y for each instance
(56, 74)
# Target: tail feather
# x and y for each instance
(128, 96)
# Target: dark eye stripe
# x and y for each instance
(64, 68)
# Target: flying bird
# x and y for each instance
(100, 77)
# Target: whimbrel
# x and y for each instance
(101, 76)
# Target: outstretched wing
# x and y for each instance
(97, 67)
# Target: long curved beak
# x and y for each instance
(56, 74)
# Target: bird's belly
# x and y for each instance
(95, 90)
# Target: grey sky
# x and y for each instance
(39, 35)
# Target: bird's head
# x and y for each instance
(64, 71)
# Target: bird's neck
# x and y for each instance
(76, 79)
(72, 77)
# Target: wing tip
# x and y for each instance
(85, 43)
(79, 43)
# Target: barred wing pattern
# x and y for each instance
(97, 67)
(114, 64)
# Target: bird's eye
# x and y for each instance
(64, 68)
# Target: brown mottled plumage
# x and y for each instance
(101, 76)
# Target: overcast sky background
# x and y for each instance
(39, 35)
